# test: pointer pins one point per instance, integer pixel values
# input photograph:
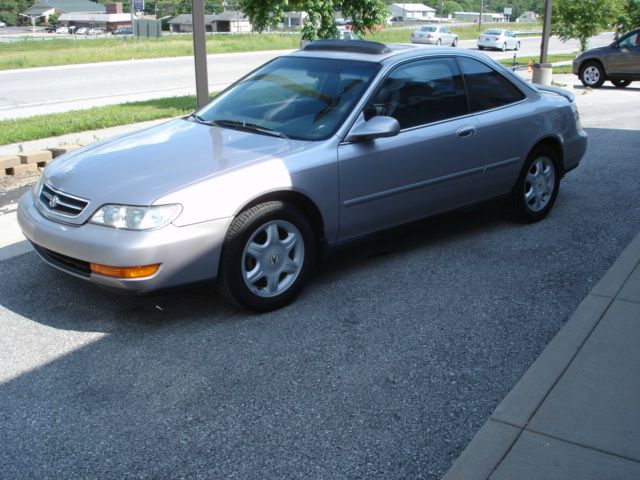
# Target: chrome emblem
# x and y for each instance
(274, 259)
(53, 203)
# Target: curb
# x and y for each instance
(493, 442)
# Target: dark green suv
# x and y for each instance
(619, 62)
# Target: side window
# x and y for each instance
(421, 92)
(631, 41)
(487, 88)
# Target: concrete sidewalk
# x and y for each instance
(575, 414)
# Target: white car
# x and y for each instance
(95, 31)
(434, 35)
(62, 30)
(3, 25)
(498, 39)
(82, 31)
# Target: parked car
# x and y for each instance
(62, 30)
(82, 31)
(434, 35)
(313, 149)
(122, 31)
(95, 31)
(3, 25)
(51, 28)
(619, 62)
(498, 39)
(347, 34)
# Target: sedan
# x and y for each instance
(619, 62)
(95, 31)
(498, 39)
(434, 35)
(312, 150)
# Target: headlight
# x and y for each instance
(38, 185)
(136, 218)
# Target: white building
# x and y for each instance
(412, 11)
(487, 17)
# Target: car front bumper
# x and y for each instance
(185, 254)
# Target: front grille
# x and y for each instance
(61, 203)
(73, 265)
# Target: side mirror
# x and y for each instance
(376, 127)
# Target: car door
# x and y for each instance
(503, 121)
(625, 59)
(433, 164)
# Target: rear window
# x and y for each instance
(493, 32)
(428, 29)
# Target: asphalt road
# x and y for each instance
(384, 368)
(60, 89)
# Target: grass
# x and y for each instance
(558, 57)
(44, 53)
(55, 124)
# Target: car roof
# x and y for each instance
(364, 50)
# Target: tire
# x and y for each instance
(267, 256)
(518, 46)
(504, 47)
(438, 42)
(621, 83)
(592, 74)
(537, 186)
(455, 42)
(480, 48)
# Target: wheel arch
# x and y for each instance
(593, 60)
(554, 144)
(298, 199)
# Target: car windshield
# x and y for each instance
(493, 32)
(294, 97)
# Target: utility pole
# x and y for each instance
(200, 52)
(480, 17)
(546, 32)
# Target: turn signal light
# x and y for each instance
(125, 272)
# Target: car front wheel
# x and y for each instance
(455, 42)
(504, 47)
(537, 187)
(268, 254)
(592, 75)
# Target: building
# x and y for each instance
(293, 20)
(487, 17)
(412, 11)
(46, 8)
(103, 21)
(527, 17)
(225, 22)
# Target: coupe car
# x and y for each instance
(314, 149)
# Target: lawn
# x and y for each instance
(43, 53)
(43, 126)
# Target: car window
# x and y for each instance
(428, 29)
(487, 88)
(302, 98)
(421, 92)
(631, 41)
(493, 32)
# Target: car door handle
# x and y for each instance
(464, 132)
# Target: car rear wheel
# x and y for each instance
(592, 75)
(621, 83)
(438, 42)
(518, 46)
(267, 256)
(455, 42)
(480, 48)
(537, 187)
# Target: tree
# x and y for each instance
(629, 16)
(450, 7)
(582, 19)
(320, 22)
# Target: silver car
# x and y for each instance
(498, 39)
(434, 35)
(313, 149)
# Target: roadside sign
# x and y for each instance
(507, 10)
(138, 5)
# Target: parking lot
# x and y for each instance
(385, 367)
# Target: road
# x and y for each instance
(60, 89)
(384, 368)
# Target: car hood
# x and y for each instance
(138, 168)
(594, 52)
